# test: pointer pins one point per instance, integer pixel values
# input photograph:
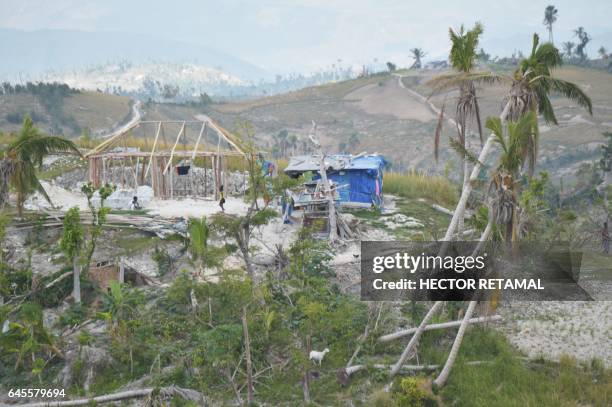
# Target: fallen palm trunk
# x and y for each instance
(165, 392)
(443, 325)
(410, 349)
(452, 356)
(408, 368)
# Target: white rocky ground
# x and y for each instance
(552, 329)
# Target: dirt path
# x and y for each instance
(136, 116)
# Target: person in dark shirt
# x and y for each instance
(222, 200)
(135, 205)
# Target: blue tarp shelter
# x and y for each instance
(359, 178)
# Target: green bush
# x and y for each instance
(74, 315)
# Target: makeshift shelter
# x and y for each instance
(359, 179)
(174, 158)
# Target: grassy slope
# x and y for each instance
(99, 112)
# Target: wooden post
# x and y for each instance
(225, 177)
(104, 170)
(333, 225)
(171, 178)
(154, 182)
(205, 175)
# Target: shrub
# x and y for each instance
(410, 391)
(165, 262)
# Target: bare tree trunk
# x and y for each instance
(76, 286)
(452, 356)
(466, 179)
(6, 170)
(415, 338)
(306, 378)
(247, 350)
(442, 325)
(187, 394)
(467, 189)
(333, 226)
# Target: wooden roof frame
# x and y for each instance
(222, 133)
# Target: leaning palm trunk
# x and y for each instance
(76, 277)
(467, 188)
(466, 180)
(452, 356)
(415, 338)
(6, 170)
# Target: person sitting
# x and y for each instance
(135, 205)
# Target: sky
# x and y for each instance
(304, 35)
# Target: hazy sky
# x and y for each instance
(284, 35)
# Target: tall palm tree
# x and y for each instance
(550, 17)
(21, 158)
(462, 58)
(417, 54)
(584, 38)
(531, 86)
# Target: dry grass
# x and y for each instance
(418, 185)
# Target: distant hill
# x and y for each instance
(377, 114)
(380, 113)
(29, 53)
(69, 114)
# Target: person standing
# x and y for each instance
(222, 200)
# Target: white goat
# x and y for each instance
(317, 356)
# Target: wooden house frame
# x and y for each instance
(153, 161)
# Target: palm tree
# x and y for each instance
(18, 167)
(462, 57)
(568, 47)
(519, 147)
(531, 86)
(28, 338)
(532, 83)
(417, 54)
(584, 38)
(550, 17)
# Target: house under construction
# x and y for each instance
(174, 158)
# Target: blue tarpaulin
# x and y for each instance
(360, 178)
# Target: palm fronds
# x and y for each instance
(570, 91)
(454, 80)
(462, 151)
(27, 152)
